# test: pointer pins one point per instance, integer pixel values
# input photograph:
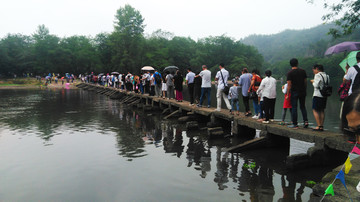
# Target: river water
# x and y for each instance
(75, 145)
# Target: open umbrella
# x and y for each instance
(117, 73)
(350, 60)
(171, 69)
(343, 47)
(147, 68)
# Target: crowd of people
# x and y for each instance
(251, 86)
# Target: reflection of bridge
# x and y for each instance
(330, 147)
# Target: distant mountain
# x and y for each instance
(296, 43)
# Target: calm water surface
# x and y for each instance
(74, 145)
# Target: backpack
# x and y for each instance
(326, 90)
(356, 82)
(157, 79)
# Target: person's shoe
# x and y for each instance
(319, 128)
(198, 105)
(217, 110)
(293, 126)
(266, 122)
(272, 120)
(209, 106)
(306, 124)
(255, 117)
(248, 114)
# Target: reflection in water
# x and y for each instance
(53, 112)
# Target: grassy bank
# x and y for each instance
(30, 83)
(19, 82)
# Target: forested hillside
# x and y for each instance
(308, 45)
(296, 43)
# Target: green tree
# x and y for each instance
(15, 55)
(45, 48)
(127, 40)
(345, 14)
(80, 55)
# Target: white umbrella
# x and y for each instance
(147, 68)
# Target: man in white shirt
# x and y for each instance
(190, 82)
(205, 75)
(222, 78)
(352, 73)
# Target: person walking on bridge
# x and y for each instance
(296, 80)
(222, 77)
(189, 79)
(244, 84)
(205, 75)
(319, 101)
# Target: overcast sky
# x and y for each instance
(194, 18)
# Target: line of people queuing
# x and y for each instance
(252, 86)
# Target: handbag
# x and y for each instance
(252, 95)
(226, 87)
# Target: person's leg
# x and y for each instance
(317, 118)
(283, 114)
(256, 105)
(168, 92)
(267, 109)
(191, 93)
(202, 96)
(237, 105)
(157, 90)
(272, 108)
(226, 99)
(303, 109)
(209, 96)
(218, 99)
(294, 98)
(180, 96)
(261, 110)
(246, 103)
(232, 105)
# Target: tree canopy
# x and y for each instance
(344, 14)
(125, 49)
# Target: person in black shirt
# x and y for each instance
(296, 79)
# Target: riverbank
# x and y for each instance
(32, 83)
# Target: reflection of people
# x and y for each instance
(265, 188)
(221, 174)
(190, 151)
(289, 191)
(351, 117)
(178, 147)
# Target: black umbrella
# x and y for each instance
(171, 69)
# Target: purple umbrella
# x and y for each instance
(343, 47)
